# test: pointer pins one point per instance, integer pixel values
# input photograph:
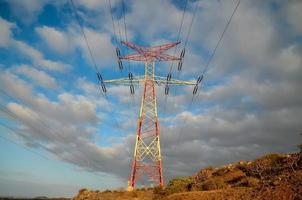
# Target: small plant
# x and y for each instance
(300, 147)
(221, 171)
(204, 174)
(180, 185)
(134, 194)
(82, 191)
(213, 184)
(233, 176)
(248, 182)
(159, 192)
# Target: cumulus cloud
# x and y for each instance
(39, 76)
(55, 39)
(294, 15)
(33, 54)
(95, 4)
(161, 19)
(63, 42)
(26, 10)
(101, 47)
(62, 126)
(38, 59)
(5, 32)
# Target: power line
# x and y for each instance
(174, 53)
(127, 52)
(126, 34)
(179, 32)
(209, 61)
(191, 23)
(26, 148)
(220, 38)
(186, 41)
(84, 35)
(99, 76)
(22, 146)
(14, 116)
(112, 21)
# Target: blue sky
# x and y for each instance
(70, 137)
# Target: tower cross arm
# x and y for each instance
(160, 80)
(137, 80)
(140, 80)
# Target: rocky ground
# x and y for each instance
(271, 177)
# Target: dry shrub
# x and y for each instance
(248, 182)
(270, 160)
(233, 176)
(271, 164)
(204, 174)
(213, 184)
(222, 171)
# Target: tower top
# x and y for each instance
(150, 54)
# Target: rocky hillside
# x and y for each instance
(274, 176)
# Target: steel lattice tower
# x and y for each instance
(147, 155)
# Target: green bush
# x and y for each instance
(159, 192)
(179, 185)
(213, 184)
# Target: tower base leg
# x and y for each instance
(129, 188)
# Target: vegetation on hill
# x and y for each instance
(273, 176)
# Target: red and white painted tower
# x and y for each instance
(147, 159)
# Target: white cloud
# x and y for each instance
(16, 86)
(38, 59)
(66, 41)
(28, 11)
(87, 87)
(151, 19)
(62, 126)
(39, 76)
(33, 54)
(55, 39)
(100, 43)
(294, 15)
(95, 4)
(5, 32)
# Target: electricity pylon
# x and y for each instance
(147, 156)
